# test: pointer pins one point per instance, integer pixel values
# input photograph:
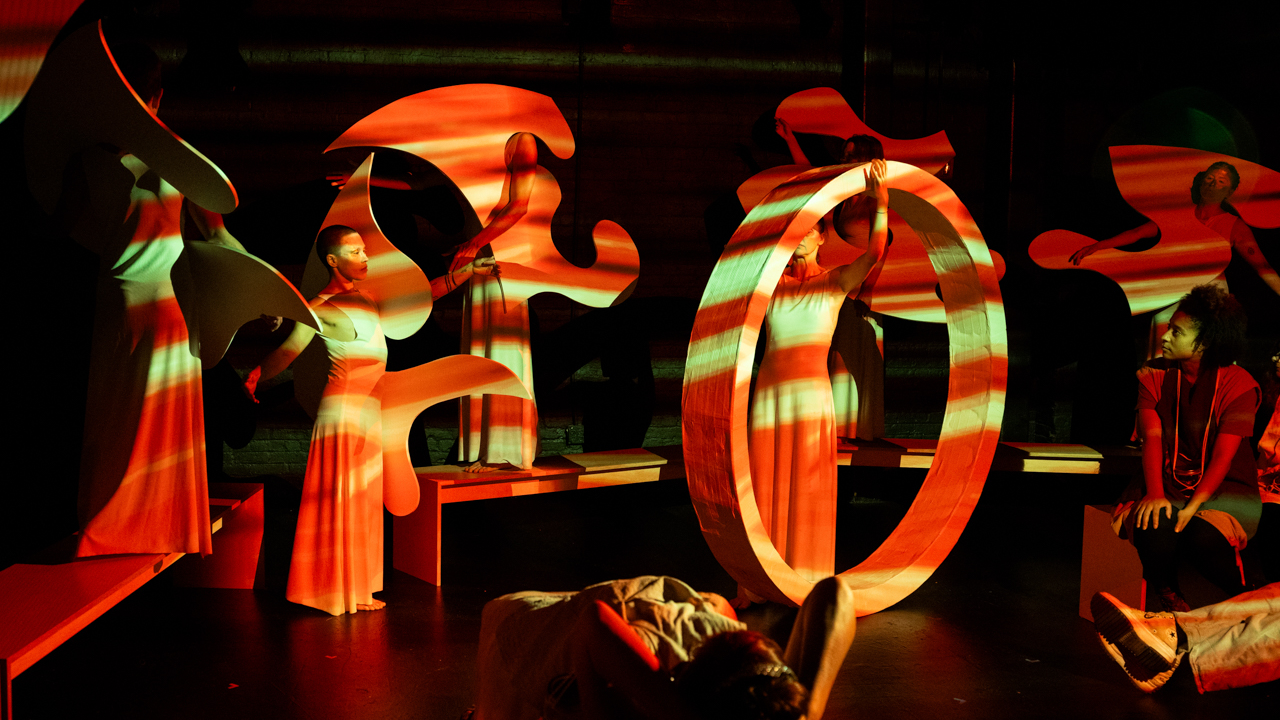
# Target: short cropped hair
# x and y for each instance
(1220, 324)
(330, 239)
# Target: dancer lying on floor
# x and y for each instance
(613, 650)
(1235, 643)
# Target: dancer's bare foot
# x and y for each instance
(478, 467)
(376, 605)
(746, 599)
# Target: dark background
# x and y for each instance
(671, 107)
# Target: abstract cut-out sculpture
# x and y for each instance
(902, 286)
(143, 482)
(359, 455)
(476, 136)
(1201, 205)
(718, 373)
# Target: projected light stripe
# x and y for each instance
(718, 373)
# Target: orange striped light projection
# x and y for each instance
(718, 377)
(159, 307)
(464, 131)
(358, 459)
(1156, 181)
(823, 111)
(28, 28)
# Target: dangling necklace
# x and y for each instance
(1204, 445)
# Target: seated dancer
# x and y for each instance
(337, 550)
(1195, 407)
(613, 649)
(1228, 645)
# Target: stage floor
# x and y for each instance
(993, 634)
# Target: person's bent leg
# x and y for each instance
(1158, 550)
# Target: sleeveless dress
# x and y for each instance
(143, 485)
(337, 550)
(793, 437)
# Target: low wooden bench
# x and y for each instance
(1009, 457)
(418, 537)
(48, 600)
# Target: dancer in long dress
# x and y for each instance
(793, 437)
(856, 360)
(337, 550)
(143, 484)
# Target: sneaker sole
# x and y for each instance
(1115, 627)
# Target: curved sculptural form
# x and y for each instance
(466, 131)
(163, 306)
(718, 374)
(1155, 181)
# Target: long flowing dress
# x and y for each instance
(793, 439)
(143, 487)
(498, 429)
(337, 549)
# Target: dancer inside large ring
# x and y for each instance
(793, 437)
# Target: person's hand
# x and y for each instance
(272, 322)
(1185, 515)
(486, 266)
(1083, 253)
(1148, 511)
(251, 383)
(783, 129)
(874, 175)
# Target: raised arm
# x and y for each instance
(615, 669)
(793, 145)
(1243, 242)
(1147, 229)
(820, 639)
(850, 276)
(522, 167)
(211, 226)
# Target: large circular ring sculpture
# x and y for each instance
(718, 376)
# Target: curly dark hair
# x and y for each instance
(1220, 324)
(1199, 178)
(740, 676)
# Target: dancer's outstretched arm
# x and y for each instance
(522, 169)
